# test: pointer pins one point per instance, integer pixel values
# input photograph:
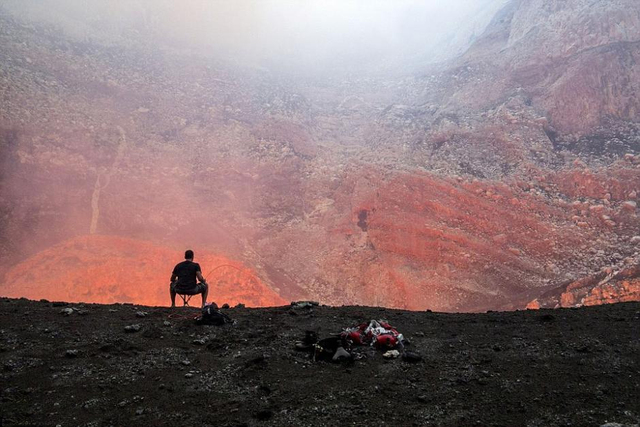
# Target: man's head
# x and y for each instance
(188, 254)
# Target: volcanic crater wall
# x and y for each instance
(453, 192)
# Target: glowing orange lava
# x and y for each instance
(110, 269)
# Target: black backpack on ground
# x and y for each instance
(212, 316)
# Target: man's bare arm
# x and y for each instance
(173, 278)
(200, 277)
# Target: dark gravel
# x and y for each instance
(578, 367)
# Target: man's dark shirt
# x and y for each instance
(186, 272)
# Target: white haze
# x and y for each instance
(312, 34)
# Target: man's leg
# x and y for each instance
(205, 292)
(172, 292)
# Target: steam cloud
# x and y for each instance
(293, 33)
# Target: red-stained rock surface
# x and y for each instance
(464, 246)
(613, 184)
(427, 242)
(607, 287)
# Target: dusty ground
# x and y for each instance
(534, 368)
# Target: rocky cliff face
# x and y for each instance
(606, 287)
(574, 61)
(479, 185)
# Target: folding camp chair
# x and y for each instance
(186, 297)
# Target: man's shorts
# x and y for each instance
(200, 288)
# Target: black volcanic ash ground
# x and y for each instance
(534, 368)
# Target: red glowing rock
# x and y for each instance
(109, 269)
(606, 287)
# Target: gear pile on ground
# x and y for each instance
(211, 315)
(378, 333)
(348, 345)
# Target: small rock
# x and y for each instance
(341, 355)
(200, 341)
(188, 375)
(186, 362)
(141, 314)
(412, 357)
(264, 415)
(71, 354)
(629, 205)
(635, 240)
(166, 323)
(132, 328)
(225, 305)
(139, 411)
(391, 354)
(304, 304)
(239, 305)
(66, 311)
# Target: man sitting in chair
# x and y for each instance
(183, 279)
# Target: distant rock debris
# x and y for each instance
(606, 287)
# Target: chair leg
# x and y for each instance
(185, 299)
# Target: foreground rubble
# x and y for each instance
(80, 367)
